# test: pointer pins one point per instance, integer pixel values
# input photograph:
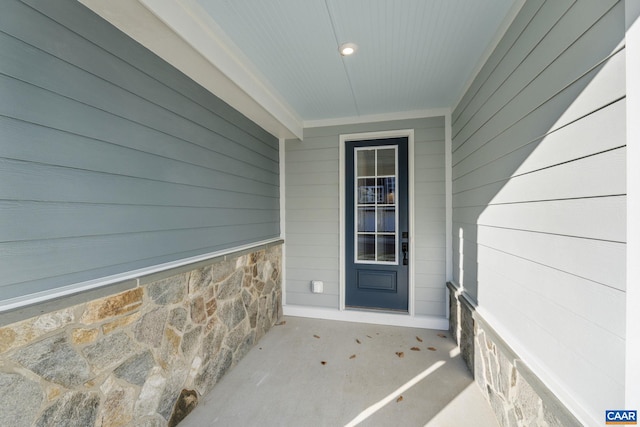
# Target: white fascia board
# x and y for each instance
(375, 118)
(180, 34)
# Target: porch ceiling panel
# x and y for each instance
(413, 54)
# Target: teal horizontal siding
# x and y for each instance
(111, 159)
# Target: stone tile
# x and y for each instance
(168, 291)
(231, 287)
(73, 409)
(84, 336)
(526, 401)
(20, 400)
(116, 305)
(231, 312)
(178, 318)
(171, 392)
(222, 270)
(236, 336)
(190, 341)
(170, 346)
(211, 307)
(110, 351)
(150, 394)
(198, 313)
(212, 342)
(199, 279)
(116, 410)
(212, 372)
(52, 321)
(107, 328)
(136, 369)
(55, 360)
(7, 338)
(151, 328)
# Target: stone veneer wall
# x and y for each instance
(142, 357)
(517, 396)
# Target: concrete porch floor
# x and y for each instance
(309, 372)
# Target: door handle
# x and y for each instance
(405, 250)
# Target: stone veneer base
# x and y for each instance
(517, 396)
(143, 356)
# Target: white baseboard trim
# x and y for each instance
(391, 319)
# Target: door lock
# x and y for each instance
(405, 249)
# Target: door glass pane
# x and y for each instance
(367, 194)
(375, 207)
(366, 219)
(386, 248)
(366, 247)
(386, 219)
(366, 162)
(387, 162)
(388, 189)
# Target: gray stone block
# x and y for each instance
(109, 351)
(136, 369)
(232, 312)
(231, 287)
(55, 360)
(71, 410)
(150, 329)
(168, 291)
(20, 400)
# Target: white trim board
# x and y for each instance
(137, 275)
(404, 133)
(283, 222)
(404, 320)
(376, 118)
(632, 40)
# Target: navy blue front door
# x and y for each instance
(377, 224)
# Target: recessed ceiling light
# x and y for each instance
(347, 49)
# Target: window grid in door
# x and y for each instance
(376, 213)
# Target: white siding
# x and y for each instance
(313, 213)
(539, 197)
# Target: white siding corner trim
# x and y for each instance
(632, 39)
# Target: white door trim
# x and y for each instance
(409, 134)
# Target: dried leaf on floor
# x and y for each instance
(415, 348)
(284, 322)
(419, 339)
(323, 362)
(431, 348)
(316, 336)
(358, 341)
(353, 356)
(399, 353)
(442, 335)
(399, 399)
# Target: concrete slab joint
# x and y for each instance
(144, 356)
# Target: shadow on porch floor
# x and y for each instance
(309, 372)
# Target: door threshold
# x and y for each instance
(376, 310)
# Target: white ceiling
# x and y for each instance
(277, 61)
(413, 54)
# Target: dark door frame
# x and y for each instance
(406, 133)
